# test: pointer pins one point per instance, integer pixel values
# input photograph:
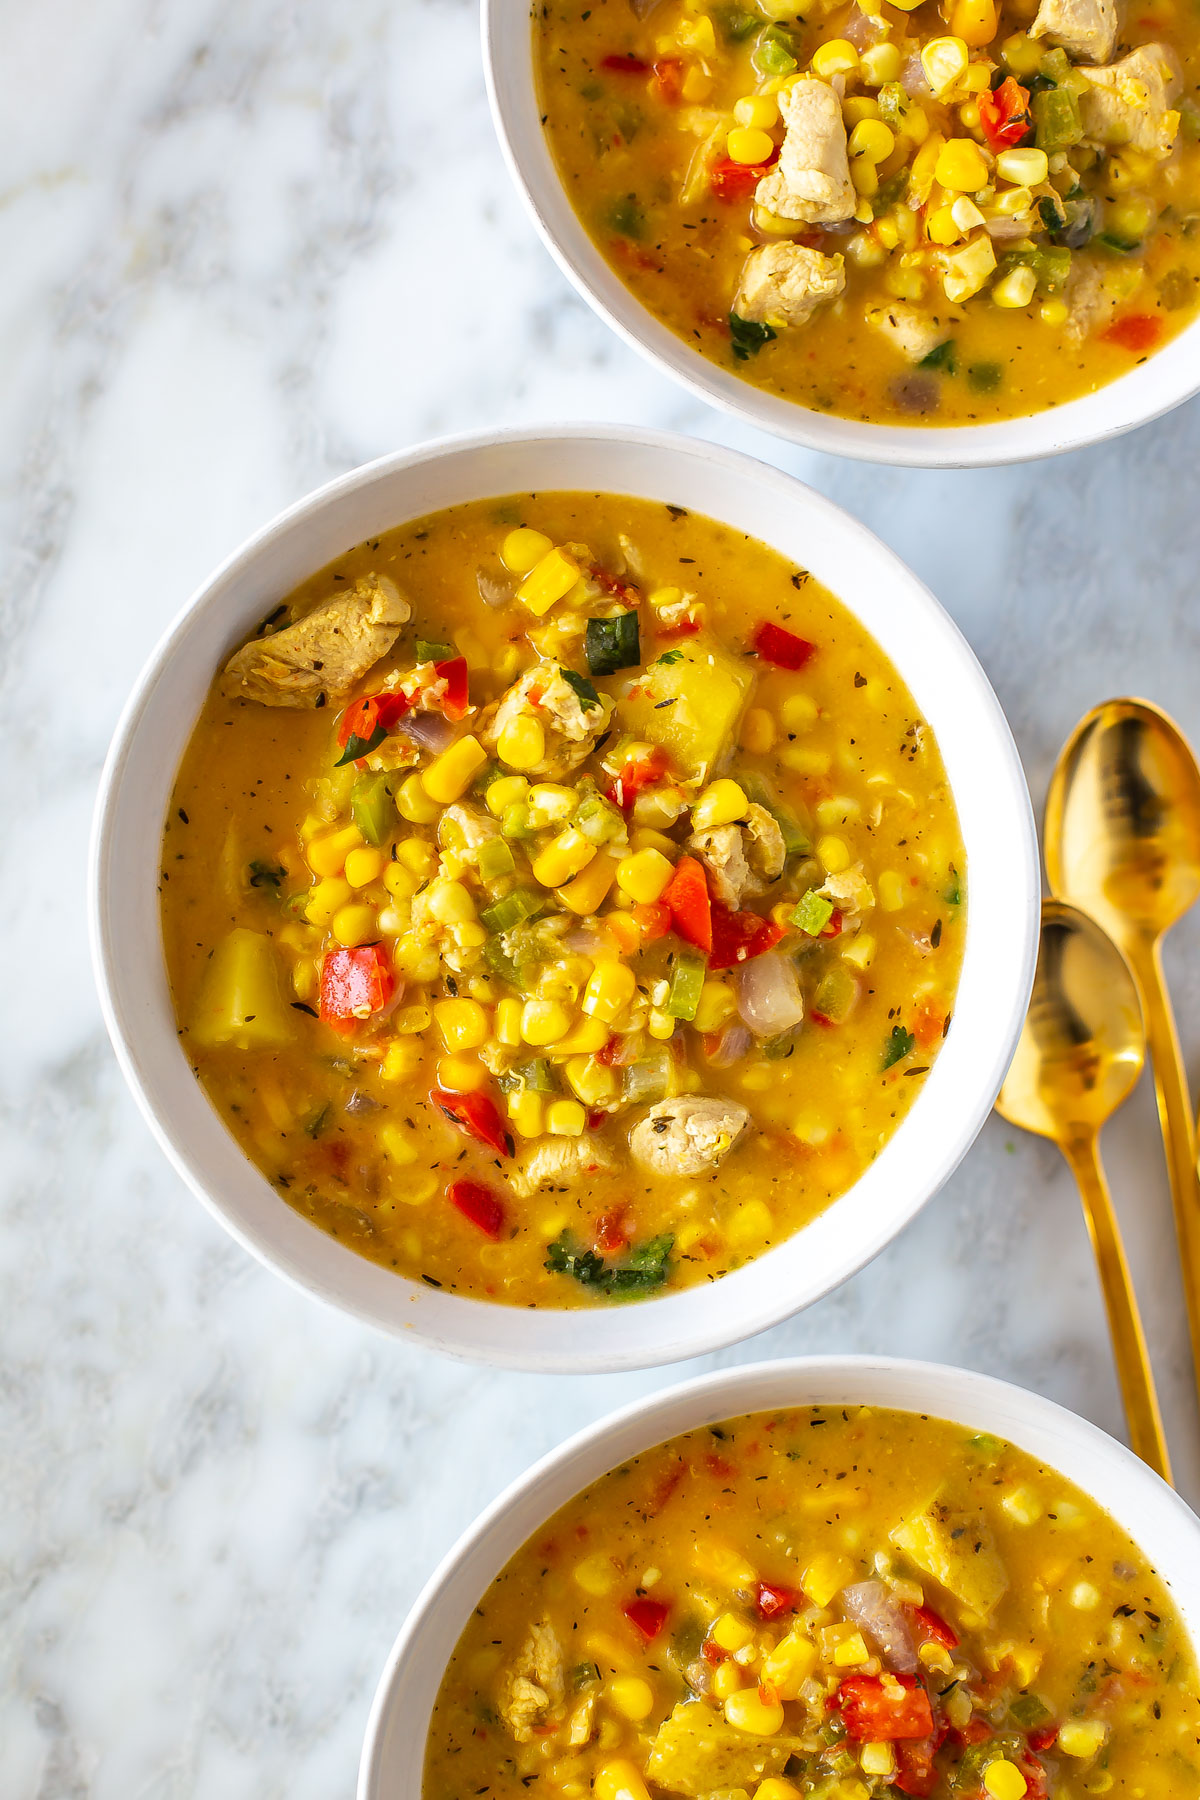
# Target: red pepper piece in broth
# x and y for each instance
(739, 936)
(646, 1616)
(686, 895)
(783, 648)
(772, 1600)
(479, 1117)
(455, 702)
(915, 1771)
(929, 1624)
(478, 1203)
(874, 1710)
(624, 65)
(1005, 114)
(355, 984)
(1136, 332)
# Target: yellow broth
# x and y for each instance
(969, 294)
(832, 1602)
(573, 1025)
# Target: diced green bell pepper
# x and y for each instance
(495, 859)
(512, 909)
(372, 808)
(1057, 118)
(687, 979)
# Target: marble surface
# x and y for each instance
(248, 244)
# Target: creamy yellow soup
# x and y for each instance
(563, 899)
(839, 1603)
(908, 215)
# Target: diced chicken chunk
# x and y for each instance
(696, 1751)
(911, 330)
(688, 1136)
(784, 284)
(1089, 302)
(956, 1550)
(741, 859)
(851, 893)
(465, 829)
(1086, 29)
(811, 181)
(571, 723)
(560, 1163)
(1129, 102)
(325, 653)
(533, 1690)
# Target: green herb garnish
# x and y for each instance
(612, 644)
(643, 1268)
(748, 336)
(588, 697)
(900, 1044)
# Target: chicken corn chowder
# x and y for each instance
(902, 214)
(843, 1604)
(563, 899)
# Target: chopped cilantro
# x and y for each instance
(645, 1266)
(900, 1044)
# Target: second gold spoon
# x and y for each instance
(1080, 1053)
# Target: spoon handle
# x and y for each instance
(1175, 1121)
(1124, 1322)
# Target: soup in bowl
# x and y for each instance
(566, 901)
(825, 1594)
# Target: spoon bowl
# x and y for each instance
(1079, 1055)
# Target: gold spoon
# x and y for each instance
(1079, 1056)
(1122, 841)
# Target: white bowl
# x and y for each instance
(1148, 390)
(952, 693)
(1155, 1517)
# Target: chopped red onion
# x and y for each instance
(429, 729)
(872, 1608)
(768, 994)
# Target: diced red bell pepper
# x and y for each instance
(1043, 1738)
(624, 65)
(738, 936)
(646, 1616)
(833, 926)
(668, 80)
(374, 712)
(874, 1710)
(612, 1229)
(915, 1771)
(1005, 114)
(772, 1600)
(733, 181)
(783, 648)
(638, 773)
(652, 919)
(455, 701)
(479, 1117)
(478, 1203)
(929, 1624)
(686, 895)
(1136, 332)
(354, 985)
(612, 584)
(712, 1653)
(686, 627)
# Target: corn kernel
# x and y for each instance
(400, 882)
(522, 743)
(834, 854)
(776, 1788)
(1081, 1737)
(944, 61)
(660, 1025)
(527, 1112)
(1055, 312)
(507, 1022)
(758, 731)
(563, 858)
(1016, 289)
(749, 1223)
(547, 582)
(798, 712)
(410, 1019)
(872, 139)
(865, 177)
(1023, 1505)
(462, 1074)
(544, 1021)
(961, 166)
(619, 1780)
(761, 111)
(1003, 1780)
(589, 1080)
(851, 1653)
(837, 57)
(879, 64)
(1022, 54)
(747, 144)
(858, 107)
(587, 892)
(942, 227)
(363, 866)
(325, 899)
(720, 804)
(1023, 168)
(823, 1577)
(596, 1575)
(965, 271)
(878, 1759)
(860, 951)
(418, 857)
(327, 855)
(450, 903)
(565, 1118)
(726, 1680)
(505, 791)
(353, 925)
(1085, 1596)
(974, 21)
(454, 770)
(401, 1060)
(748, 1711)
(523, 549)
(644, 876)
(631, 1696)
(463, 1024)
(731, 1633)
(611, 986)
(716, 1005)
(788, 1666)
(585, 1038)
(967, 215)
(413, 803)
(396, 1144)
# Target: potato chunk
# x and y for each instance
(689, 707)
(956, 1550)
(697, 1752)
(239, 1001)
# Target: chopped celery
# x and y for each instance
(597, 821)
(514, 822)
(501, 963)
(649, 1079)
(773, 53)
(812, 913)
(1057, 118)
(1029, 1710)
(687, 979)
(796, 841)
(836, 993)
(613, 644)
(776, 1048)
(893, 103)
(1055, 66)
(585, 1675)
(495, 859)
(735, 24)
(491, 771)
(512, 909)
(427, 651)
(372, 808)
(539, 1076)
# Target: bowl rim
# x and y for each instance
(1145, 392)
(478, 1330)
(963, 1396)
